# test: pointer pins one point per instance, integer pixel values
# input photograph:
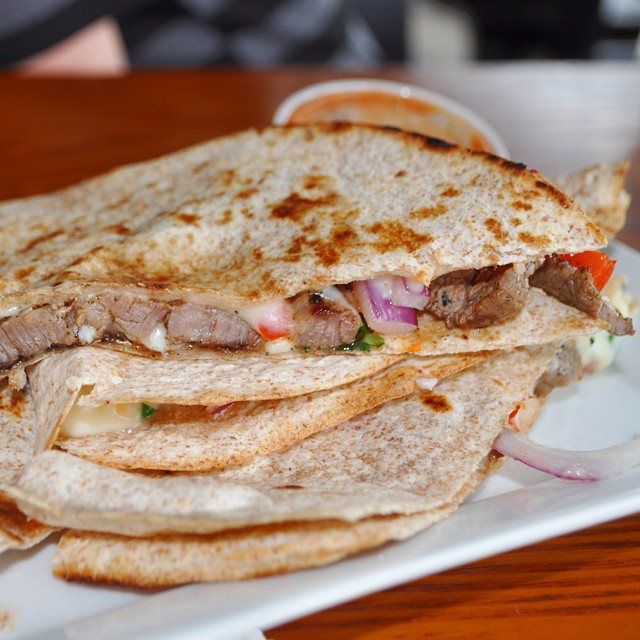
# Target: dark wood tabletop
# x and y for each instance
(554, 117)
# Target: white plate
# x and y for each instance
(513, 508)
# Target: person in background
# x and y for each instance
(108, 36)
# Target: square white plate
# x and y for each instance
(515, 507)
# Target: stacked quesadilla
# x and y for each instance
(317, 332)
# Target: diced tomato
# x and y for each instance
(512, 418)
(271, 332)
(598, 263)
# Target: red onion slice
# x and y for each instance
(381, 315)
(219, 409)
(571, 465)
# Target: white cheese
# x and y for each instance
(427, 383)
(90, 421)
(597, 352)
(158, 339)
(87, 334)
(281, 345)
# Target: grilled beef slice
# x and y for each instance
(210, 327)
(34, 332)
(475, 298)
(322, 323)
(575, 287)
(564, 368)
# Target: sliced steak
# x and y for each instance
(320, 323)
(475, 298)
(33, 332)
(210, 327)
(137, 318)
(564, 368)
(575, 287)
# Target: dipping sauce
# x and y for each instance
(395, 104)
(374, 107)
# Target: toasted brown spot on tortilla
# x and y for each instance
(437, 144)
(118, 203)
(330, 251)
(532, 239)
(289, 486)
(226, 216)
(593, 228)
(429, 212)
(495, 227)
(14, 404)
(188, 218)
(516, 222)
(435, 402)
(227, 177)
(246, 193)
(23, 272)
(121, 229)
(400, 173)
(525, 206)
(36, 241)
(315, 181)
(393, 235)
(509, 164)
(562, 199)
(338, 127)
(294, 206)
(257, 253)
(450, 192)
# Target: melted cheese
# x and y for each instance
(597, 352)
(89, 421)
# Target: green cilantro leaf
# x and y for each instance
(365, 339)
(147, 411)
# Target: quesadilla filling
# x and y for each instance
(349, 317)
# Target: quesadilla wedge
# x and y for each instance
(280, 239)
(599, 190)
(241, 554)
(188, 438)
(406, 456)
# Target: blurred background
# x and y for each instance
(108, 37)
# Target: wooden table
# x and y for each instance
(553, 117)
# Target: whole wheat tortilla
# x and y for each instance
(18, 431)
(599, 190)
(266, 214)
(239, 554)
(180, 438)
(406, 456)
(94, 375)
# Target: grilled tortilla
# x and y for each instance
(180, 438)
(406, 456)
(185, 250)
(18, 445)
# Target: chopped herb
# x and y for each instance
(147, 411)
(365, 339)
(592, 340)
(306, 349)
(315, 298)
(611, 337)
(445, 299)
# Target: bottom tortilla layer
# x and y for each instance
(171, 560)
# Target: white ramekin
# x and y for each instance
(293, 102)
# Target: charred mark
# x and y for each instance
(294, 206)
(393, 235)
(39, 240)
(435, 402)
